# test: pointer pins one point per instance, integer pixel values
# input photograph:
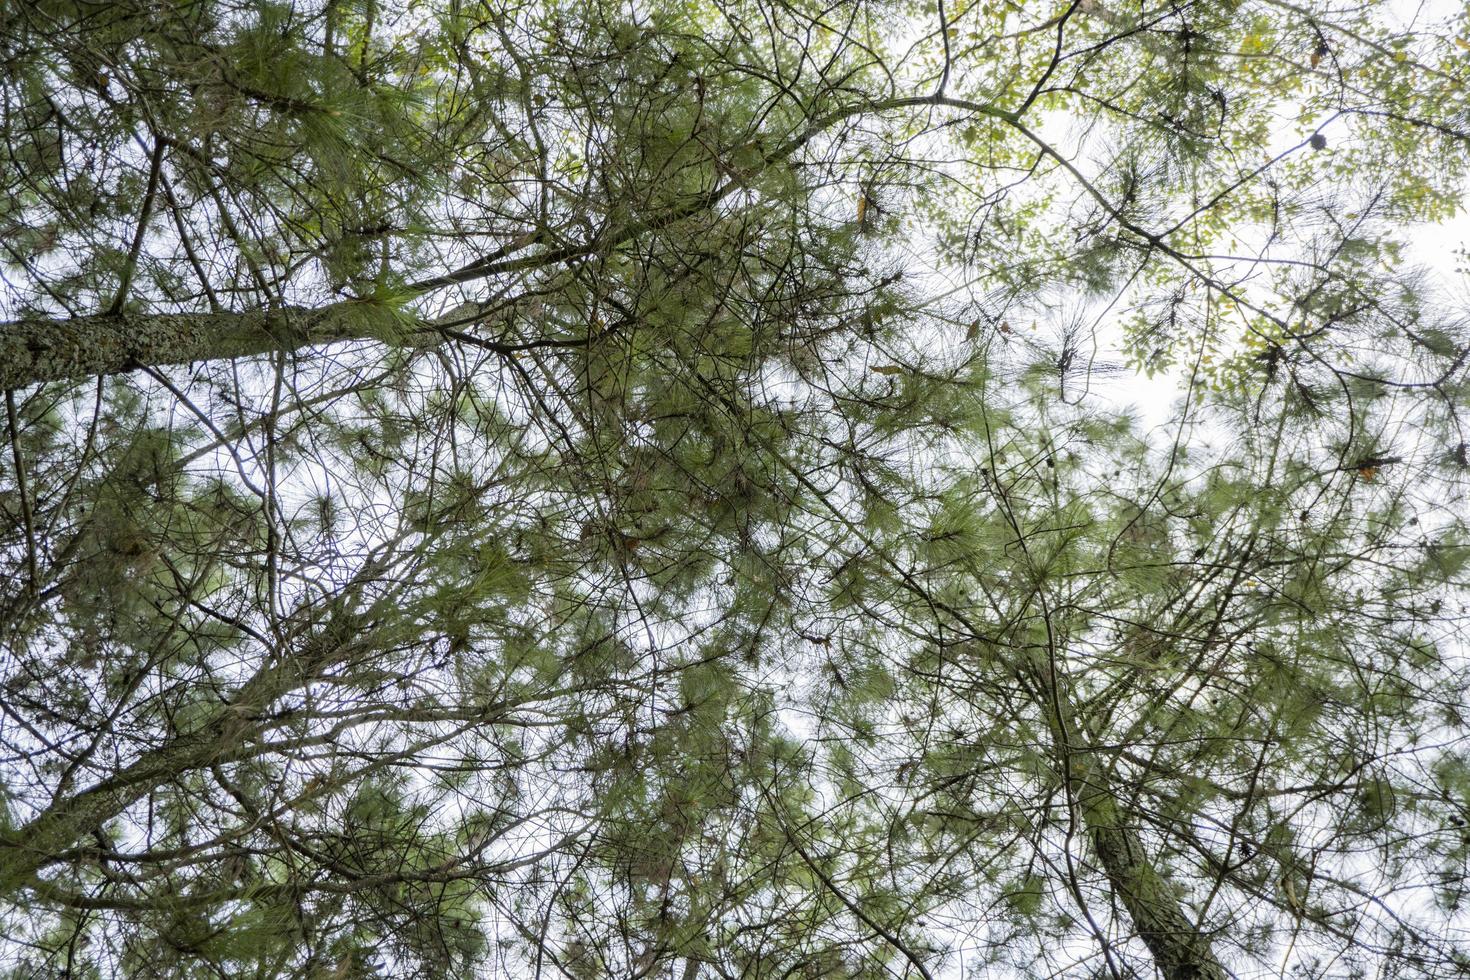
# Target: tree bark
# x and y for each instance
(38, 350)
(43, 839)
(227, 734)
(1180, 950)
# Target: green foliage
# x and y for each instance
(679, 521)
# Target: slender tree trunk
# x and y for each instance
(33, 351)
(1180, 951)
(37, 350)
(43, 839)
(225, 736)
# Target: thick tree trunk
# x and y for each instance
(37, 350)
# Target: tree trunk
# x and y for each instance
(43, 839)
(225, 736)
(1180, 951)
(37, 350)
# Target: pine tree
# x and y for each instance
(610, 490)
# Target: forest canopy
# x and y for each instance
(612, 489)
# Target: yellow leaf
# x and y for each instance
(887, 369)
